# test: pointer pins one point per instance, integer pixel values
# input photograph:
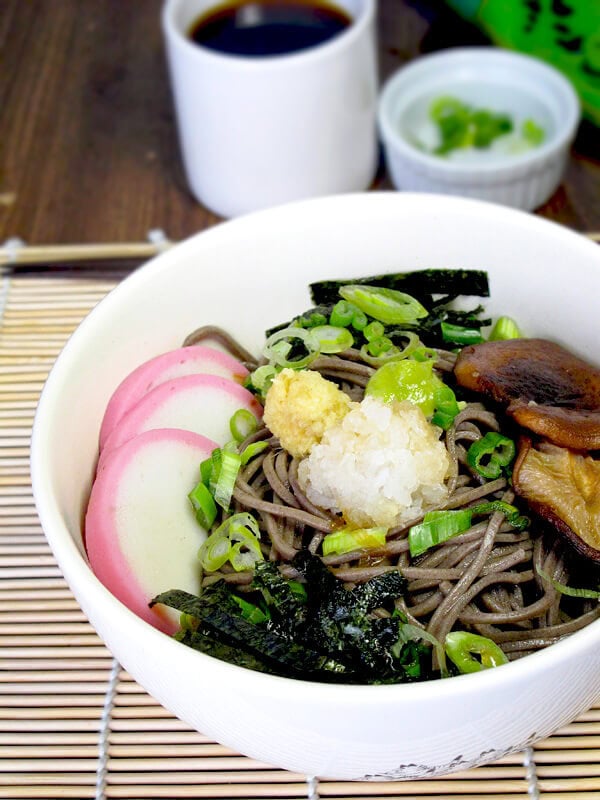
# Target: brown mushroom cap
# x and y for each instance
(544, 387)
(563, 487)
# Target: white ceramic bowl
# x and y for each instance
(246, 275)
(483, 77)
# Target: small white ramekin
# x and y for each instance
(484, 77)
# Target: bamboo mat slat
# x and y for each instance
(75, 725)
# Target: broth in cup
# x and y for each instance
(269, 27)
(270, 106)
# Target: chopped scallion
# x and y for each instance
(228, 471)
(458, 334)
(569, 591)
(331, 339)
(252, 450)
(282, 344)
(347, 540)
(505, 328)
(262, 378)
(446, 407)
(235, 540)
(463, 647)
(386, 305)
(242, 424)
(374, 330)
(437, 527)
(342, 314)
(411, 633)
(491, 454)
(203, 504)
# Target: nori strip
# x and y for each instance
(288, 609)
(330, 634)
(421, 284)
(338, 619)
(215, 614)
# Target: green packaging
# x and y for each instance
(565, 33)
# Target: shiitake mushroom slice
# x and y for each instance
(563, 487)
(543, 387)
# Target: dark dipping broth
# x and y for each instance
(269, 27)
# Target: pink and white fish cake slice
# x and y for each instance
(141, 533)
(203, 404)
(196, 359)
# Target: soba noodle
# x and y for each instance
(485, 580)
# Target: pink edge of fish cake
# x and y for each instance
(203, 404)
(141, 534)
(165, 367)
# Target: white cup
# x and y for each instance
(259, 131)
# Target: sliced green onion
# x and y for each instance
(279, 345)
(533, 133)
(205, 470)
(244, 555)
(298, 590)
(216, 457)
(235, 540)
(347, 540)
(505, 328)
(228, 472)
(437, 527)
(342, 314)
(331, 339)
(569, 591)
(512, 514)
(446, 407)
(386, 305)
(242, 424)
(411, 633)
(462, 649)
(374, 330)
(391, 353)
(310, 320)
(458, 334)
(359, 320)
(214, 552)
(187, 622)
(492, 453)
(252, 450)
(461, 126)
(423, 353)
(262, 377)
(203, 504)
(250, 611)
(380, 346)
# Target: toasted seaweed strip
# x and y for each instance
(202, 640)
(421, 284)
(213, 613)
(338, 619)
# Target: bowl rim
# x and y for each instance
(480, 57)
(79, 574)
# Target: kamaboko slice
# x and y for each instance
(193, 360)
(141, 533)
(202, 404)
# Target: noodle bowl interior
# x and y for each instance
(369, 527)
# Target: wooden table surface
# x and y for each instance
(88, 147)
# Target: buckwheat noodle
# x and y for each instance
(485, 580)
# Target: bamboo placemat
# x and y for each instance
(73, 724)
